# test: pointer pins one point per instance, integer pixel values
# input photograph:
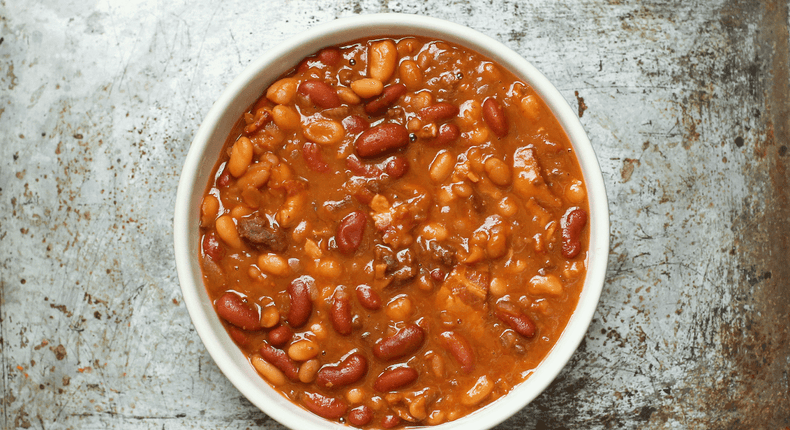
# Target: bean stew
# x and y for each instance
(396, 232)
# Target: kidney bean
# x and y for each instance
(359, 168)
(350, 232)
(368, 297)
(448, 133)
(327, 407)
(519, 322)
(572, 224)
(459, 348)
(280, 335)
(320, 93)
(390, 421)
(313, 157)
(329, 56)
(340, 313)
(224, 178)
(212, 246)
(388, 97)
(280, 360)
(239, 336)
(397, 166)
(351, 370)
(437, 275)
(406, 341)
(360, 416)
(234, 310)
(301, 303)
(395, 378)
(355, 124)
(438, 112)
(381, 139)
(494, 116)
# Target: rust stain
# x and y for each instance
(629, 164)
(59, 351)
(582, 105)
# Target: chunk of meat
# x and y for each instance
(259, 234)
(528, 181)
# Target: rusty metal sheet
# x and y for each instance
(686, 103)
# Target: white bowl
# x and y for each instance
(248, 86)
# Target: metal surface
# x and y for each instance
(686, 103)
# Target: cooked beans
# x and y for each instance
(400, 228)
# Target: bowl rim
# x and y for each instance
(278, 60)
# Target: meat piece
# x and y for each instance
(400, 268)
(444, 254)
(260, 235)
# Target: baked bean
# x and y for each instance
(212, 248)
(319, 93)
(208, 210)
(382, 59)
(356, 396)
(328, 268)
(573, 223)
(459, 348)
(355, 124)
(519, 322)
(530, 107)
(240, 157)
(400, 309)
(441, 166)
(280, 336)
(478, 392)
(410, 75)
(301, 303)
(323, 406)
(324, 131)
(388, 97)
(319, 331)
(280, 360)
(367, 88)
(395, 378)
(438, 112)
(234, 310)
(290, 210)
(545, 285)
(397, 166)
(273, 264)
(448, 134)
(576, 192)
(350, 232)
(270, 317)
(435, 418)
(360, 416)
(308, 371)
(303, 350)
(498, 287)
(340, 313)
(381, 139)
(286, 117)
(268, 370)
(368, 297)
(405, 342)
(417, 408)
(434, 231)
(349, 371)
(437, 366)
(257, 176)
(348, 96)
(282, 92)
(498, 171)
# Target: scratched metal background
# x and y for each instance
(686, 102)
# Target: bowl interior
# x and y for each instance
(248, 86)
